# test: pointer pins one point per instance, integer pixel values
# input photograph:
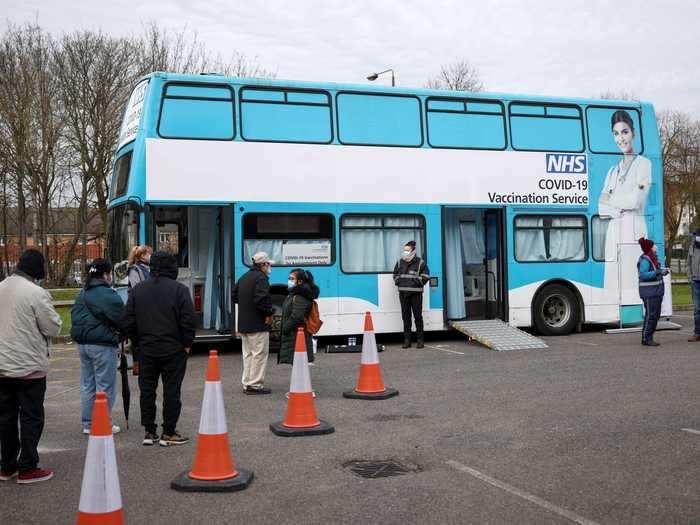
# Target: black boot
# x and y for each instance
(419, 341)
(406, 341)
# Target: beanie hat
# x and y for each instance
(31, 262)
(163, 264)
(646, 244)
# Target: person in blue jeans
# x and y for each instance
(98, 327)
(694, 280)
(651, 289)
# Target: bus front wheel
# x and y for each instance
(556, 310)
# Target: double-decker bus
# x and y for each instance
(525, 208)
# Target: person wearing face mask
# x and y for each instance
(297, 306)
(98, 327)
(252, 295)
(694, 280)
(410, 276)
(651, 289)
(624, 196)
(28, 321)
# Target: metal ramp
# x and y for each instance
(497, 335)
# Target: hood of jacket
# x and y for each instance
(163, 264)
(94, 283)
(310, 292)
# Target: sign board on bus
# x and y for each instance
(132, 116)
(306, 254)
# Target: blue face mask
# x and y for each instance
(291, 284)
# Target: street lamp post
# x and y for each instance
(374, 76)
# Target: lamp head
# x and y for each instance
(373, 76)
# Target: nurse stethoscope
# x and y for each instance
(620, 179)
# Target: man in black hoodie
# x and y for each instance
(160, 319)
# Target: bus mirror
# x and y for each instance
(433, 282)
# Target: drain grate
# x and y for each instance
(373, 469)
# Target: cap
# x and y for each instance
(261, 258)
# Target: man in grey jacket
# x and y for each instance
(28, 321)
(694, 280)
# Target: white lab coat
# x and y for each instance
(623, 199)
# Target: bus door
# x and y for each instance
(473, 263)
(201, 238)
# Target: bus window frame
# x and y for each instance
(285, 91)
(545, 105)
(466, 101)
(605, 106)
(423, 228)
(115, 187)
(382, 94)
(163, 97)
(124, 205)
(584, 229)
(276, 265)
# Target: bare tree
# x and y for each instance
(182, 52)
(31, 126)
(619, 95)
(458, 76)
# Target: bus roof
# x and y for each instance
(337, 86)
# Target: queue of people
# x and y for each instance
(159, 320)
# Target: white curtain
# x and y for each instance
(599, 231)
(374, 244)
(454, 262)
(567, 245)
(473, 247)
(529, 244)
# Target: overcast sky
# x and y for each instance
(569, 48)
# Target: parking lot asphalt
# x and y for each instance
(593, 429)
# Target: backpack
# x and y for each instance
(313, 321)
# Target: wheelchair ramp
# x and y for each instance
(497, 335)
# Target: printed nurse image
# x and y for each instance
(624, 195)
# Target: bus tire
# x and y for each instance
(555, 310)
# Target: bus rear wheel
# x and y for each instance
(555, 310)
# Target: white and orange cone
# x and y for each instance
(213, 469)
(100, 495)
(301, 419)
(370, 384)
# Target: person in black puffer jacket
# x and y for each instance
(97, 325)
(411, 274)
(302, 292)
(160, 319)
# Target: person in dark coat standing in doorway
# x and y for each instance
(411, 274)
(651, 289)
(160, 318)
(252, 294)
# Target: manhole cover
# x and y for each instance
(380, 468)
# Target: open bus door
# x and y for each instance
(474, 263)
(201, 238)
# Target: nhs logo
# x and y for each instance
(566, 163)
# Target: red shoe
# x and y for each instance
(7, 476)
(34, 476)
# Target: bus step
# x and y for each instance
(497, 335)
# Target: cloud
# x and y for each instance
(575, 48)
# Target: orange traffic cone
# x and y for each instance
(370, 384)
(301, 419)
(213, 469)
(100, 495)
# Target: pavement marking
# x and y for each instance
(691, 430)
(586, 343)
(48, 450)
(522, 494)
(63, 392)
(445, 350)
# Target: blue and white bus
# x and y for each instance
(526, 209)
